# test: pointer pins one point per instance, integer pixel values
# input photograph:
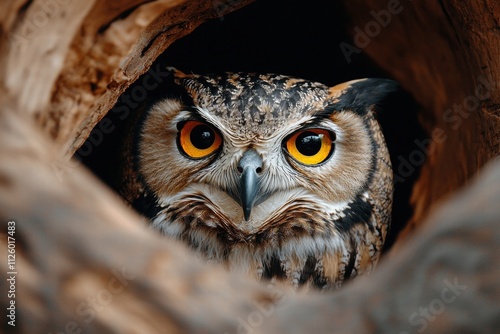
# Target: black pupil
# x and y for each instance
(202, 137)
(308, 143)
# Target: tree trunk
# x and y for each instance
(84, 261)
(446, 53)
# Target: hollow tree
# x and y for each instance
(64, 64)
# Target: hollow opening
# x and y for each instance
(267, 37)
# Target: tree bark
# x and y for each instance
(85, 261)
(446, 53)
(65, 63)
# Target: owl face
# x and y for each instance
(256, 171)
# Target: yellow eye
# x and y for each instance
(311, 146)
(198, 140)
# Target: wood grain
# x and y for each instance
(87, 264)
(442, 52)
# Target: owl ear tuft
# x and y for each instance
(364, 94)
(337, 90)
(175, 86)
(178, 74)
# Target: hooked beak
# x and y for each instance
(249, 169)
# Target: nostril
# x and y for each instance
(249, 164)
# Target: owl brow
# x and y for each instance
(308, 123)
(325, 112)
(191, 114)
(208, 117)
(199, 114)
(317, 119)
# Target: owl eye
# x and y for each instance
(197, 140)
(311, 146)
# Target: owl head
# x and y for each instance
(268, 174)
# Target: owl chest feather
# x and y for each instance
(304, 242)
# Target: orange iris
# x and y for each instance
(198, 140)
(310, 146)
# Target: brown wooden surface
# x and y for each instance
(442, 51)
(67, 62)
(58, 79)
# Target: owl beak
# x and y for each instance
(249, 169)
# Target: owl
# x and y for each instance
(277, 177)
